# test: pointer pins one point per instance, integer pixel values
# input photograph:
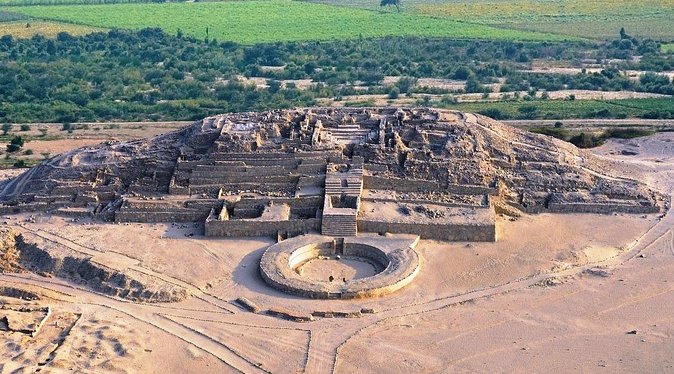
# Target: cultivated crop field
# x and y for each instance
(588, 19)
(257, 21)
(27, 29)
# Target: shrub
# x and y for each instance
(494, 113)
(18, 141)
(528, 111)
(405, 84)
(584, 140)
(448, 99)
(626, 133)
(25, 128)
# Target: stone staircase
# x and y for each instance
(351, 184)
(348, 134)
(342, 201)
(342, 224)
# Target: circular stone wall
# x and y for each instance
(392, 260)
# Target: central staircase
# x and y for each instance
(342, 201)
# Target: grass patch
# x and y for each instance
(48, 29)
(667, 48)
(257, 21)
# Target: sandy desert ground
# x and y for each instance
(556, 293)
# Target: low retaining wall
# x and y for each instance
(245, 227)
(601, 208)
(157, 217)
(447, 232)
(372, 182)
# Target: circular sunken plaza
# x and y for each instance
(323, 267)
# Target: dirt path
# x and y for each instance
(328, 336)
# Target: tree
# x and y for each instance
(393, 93)
(405, 84)
(6, 128)
(395, 3)
(623, 34)
(16, 144)
(473, 85)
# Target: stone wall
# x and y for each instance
(161, 216)
(262, 187)
(448, 232)
(373, 182)
(245, 227)
(422, 202)
(397, 265)
(602, 208)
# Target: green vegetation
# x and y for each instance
(6, 16)
(71, 2)
(590, 140)
(149, 75)
(564, 109)
(592, 19)
(27, 29)
(667, 48)
(15, 144)
(589, 19)
(257, 21)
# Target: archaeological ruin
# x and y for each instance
(331, 182)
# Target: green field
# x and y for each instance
(257, 21)
(560, 109)
(26, 29)
(667, 48)
(589, 19)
